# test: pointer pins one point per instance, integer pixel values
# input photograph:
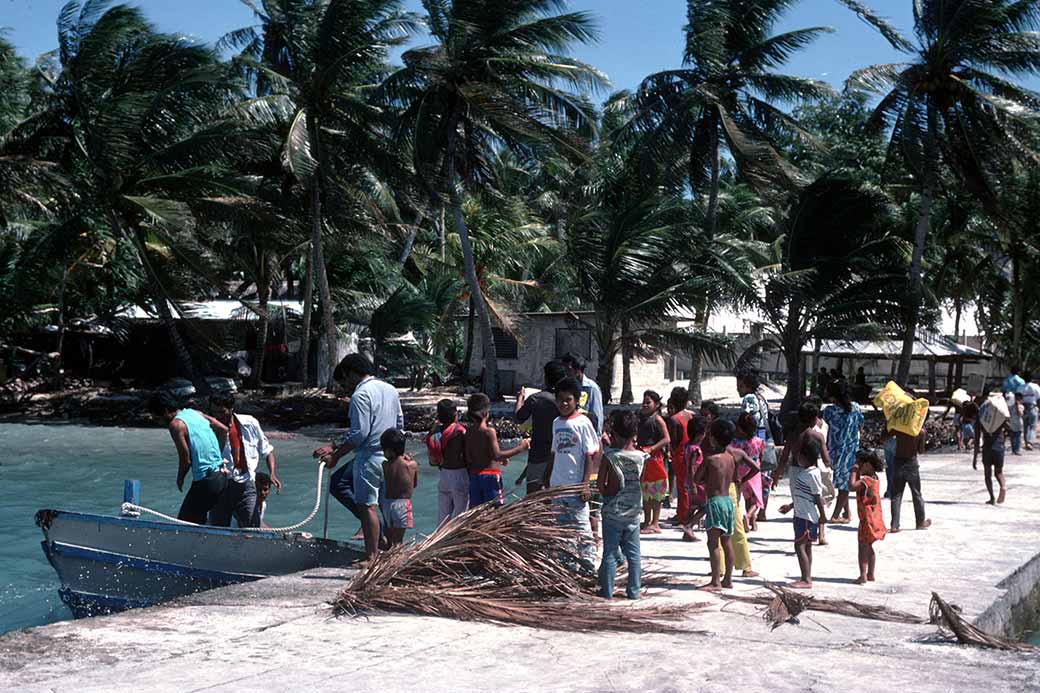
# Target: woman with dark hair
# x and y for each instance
(844, 421)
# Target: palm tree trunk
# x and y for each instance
(606, 350)
(1017, 309)
(467, 357)
(921, 233)
(795, 382)
(711, 223)
(184, 365)
(490, 382)
(409, 241)
(59, 369)
(442, 233)
(263, 292)
(712, 214)
(308, 310)
(696, 361)
(317, 247)
(627, 396)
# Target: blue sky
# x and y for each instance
(637, 36)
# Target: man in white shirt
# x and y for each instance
(246, 444)
(1030, 400)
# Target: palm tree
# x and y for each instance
(316, 63)
(952, 103)
(640, 253)
(134, 138)
(492, 79)
(14, 85)
(827, 270)
(722, 99)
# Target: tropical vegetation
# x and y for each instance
(416, 181)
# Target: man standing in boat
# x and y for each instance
(199, 439)
(374, 408)
(246, 445)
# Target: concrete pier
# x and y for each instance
(279, 634)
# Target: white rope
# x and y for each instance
(133, 509)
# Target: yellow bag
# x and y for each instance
(902, 412)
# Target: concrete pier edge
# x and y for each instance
(280, 632)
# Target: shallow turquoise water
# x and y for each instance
(82, 468)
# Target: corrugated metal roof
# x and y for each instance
(214, 310)
(939, 348)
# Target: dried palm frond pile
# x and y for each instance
(783, 606)
(505, 565)
(952, 625)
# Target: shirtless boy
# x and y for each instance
(401, 475)
(716, 473)
(484, 456)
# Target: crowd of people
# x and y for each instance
(628, 466)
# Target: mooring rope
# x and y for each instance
(132, 508)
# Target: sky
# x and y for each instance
(637, 37)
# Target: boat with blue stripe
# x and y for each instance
(107, 564)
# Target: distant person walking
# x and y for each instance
(199, 439)
(1013, 383)
(1030, 400)
(844, 422)
(374, 408)
(991, 445)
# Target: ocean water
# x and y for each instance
(82, 468)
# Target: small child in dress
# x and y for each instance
(753, 446)
(401, 476)
(864, 481)
(693, 456)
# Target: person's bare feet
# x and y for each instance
(749, 574)
(861, 580)
(712, 587)
(991, 502)
(1002, 495)
(894, 530)
(646, 529)
(800, 585)
(870, 577)
(689, 536)
(822, 542)
(727, 584)
(925, 525)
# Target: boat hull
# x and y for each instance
(108, 564)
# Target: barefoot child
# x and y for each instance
(864, 482)
(693, 456)
(718, 474)
(752, 446)
(653, 439)
(618, 483)
(803, 453)
(401, 475)
(575, 444)
(483, 456)
(446, 445)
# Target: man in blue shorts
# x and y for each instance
(374, 408)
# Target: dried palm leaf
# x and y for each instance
(784, 605)
(952, 624)
(505, 565)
